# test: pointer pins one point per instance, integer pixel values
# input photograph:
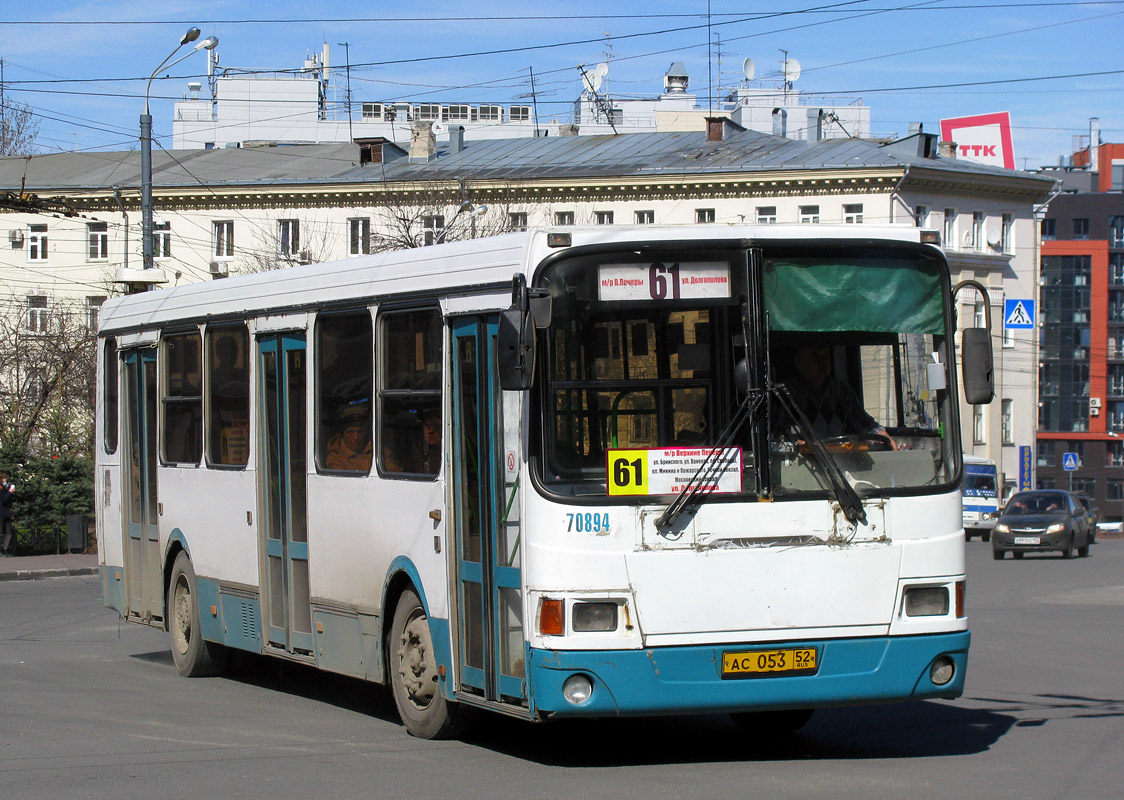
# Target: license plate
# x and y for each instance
(762, 663)
(1028, 540)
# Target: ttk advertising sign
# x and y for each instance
(984, 139)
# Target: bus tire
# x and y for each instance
(985, 536)
(413, 675)
(194, 656)
(764, 724)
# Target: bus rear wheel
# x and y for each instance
(194, 656)
(413, 675)
(764, 724)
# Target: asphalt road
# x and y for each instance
(93, 708)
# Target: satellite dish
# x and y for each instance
(994, 238)
(791, 69)
(601, 69)
(748, 69)
(437, 128)
(591, 81)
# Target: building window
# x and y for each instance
(645, 217)
(222, 236)
(460, 113)
(604, 217)
(372, 111)
(1007, 424)
(97, 238)
(1081, 228)
(1045, 483)
(93, 313)
(1006, 232)
(979, 425)
(428, 112)
(948, 231)
(1086, 485)
(288, 238)
(767, 215)
(359, 236)
(978, 238)
(1114, 453)
(37, 313)
(183, 399)
(490, 114)
(433, 229)
(36, 242)
(161, 240)
(410, 393)
(1046, 453)
(564, 218)
(920, 216)
(517, 220)
(344, 376)
(809, 214)
(1114, 489)
(1116, 231)
(704, 215)
(853, 213)
(228, 395)
(519, 114)
(1048, 229)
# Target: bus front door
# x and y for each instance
(284, 529)
(486, 459)
(143, 575)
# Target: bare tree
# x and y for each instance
(19, 128)
(47, 377)
(431, 215)
(275, 248)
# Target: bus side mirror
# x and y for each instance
(976, 366)
(516, 342)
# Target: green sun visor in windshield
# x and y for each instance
(880, 295)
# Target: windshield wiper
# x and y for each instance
(845, 494)
(713, 465)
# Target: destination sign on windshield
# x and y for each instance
(670, 280)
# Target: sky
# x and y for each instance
(82, 66)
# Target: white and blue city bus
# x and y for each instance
(981, 497)
(552, 474)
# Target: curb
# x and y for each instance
(36, 574)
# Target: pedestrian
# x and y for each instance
(7, 490)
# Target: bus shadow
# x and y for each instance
(909, 730)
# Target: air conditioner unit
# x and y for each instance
(15, 237)
(219, 269)
(1094, 411)
(1094, 402)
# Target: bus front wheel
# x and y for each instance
(413, 674)
(194, 656)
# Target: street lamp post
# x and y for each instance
(150, 275)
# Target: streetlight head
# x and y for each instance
(210, 43)
(190, 36)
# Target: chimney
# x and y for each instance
(193, 89)
(815, 124)
(1094, 144)
(947, 149)
(780, 122)
(423, 142)
(567, 130)
(915, 128)
(676, 80)
(456, 138)
(718, 127)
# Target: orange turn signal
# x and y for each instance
(552, 617)
(961, 590)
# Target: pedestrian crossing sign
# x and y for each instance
(1018, 314)
(1069, 461)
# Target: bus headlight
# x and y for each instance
(577, 690)
(595, 617)
(926, 601)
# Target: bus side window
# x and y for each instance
(183, 398)
(410, 392)
(228, 395)
(345, 370)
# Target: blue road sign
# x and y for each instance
(1069, 461)
(1018, 314)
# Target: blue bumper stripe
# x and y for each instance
(677, 680)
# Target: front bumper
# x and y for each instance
(1046, 541)
(687, 680)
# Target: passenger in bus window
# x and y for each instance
(350, 449)
(831, 406)
(419, 448)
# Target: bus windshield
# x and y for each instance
(644, 345)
